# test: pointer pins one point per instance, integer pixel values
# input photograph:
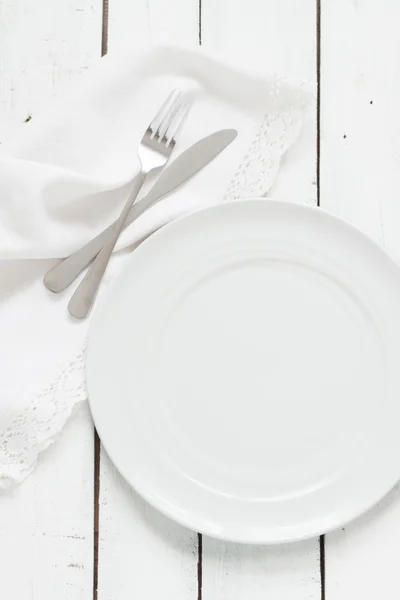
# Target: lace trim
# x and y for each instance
(26, 435)
(260, 164)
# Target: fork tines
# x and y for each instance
(170, 118)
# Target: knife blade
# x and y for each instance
(185, 166)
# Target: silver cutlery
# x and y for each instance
(154, 150)
(185, 166)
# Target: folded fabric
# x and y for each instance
(65, 176)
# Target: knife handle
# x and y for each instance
(85, 294)
(65, 272)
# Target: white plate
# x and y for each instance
(243, 371)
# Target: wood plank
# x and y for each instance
(141, 553)
(283, 36)
(236, 572)
(278, 35)
(46, 524)
(42, 49)
(139, 22)
(360, 149)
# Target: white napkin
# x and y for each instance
(65, 176)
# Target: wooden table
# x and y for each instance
(74, 530)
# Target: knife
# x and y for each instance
(187, 164)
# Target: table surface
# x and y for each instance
(74, 530)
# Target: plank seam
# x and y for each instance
(199, 535)
(97, 443)
(322, 565)
(200, 15)
(199, 566)
(104, 28)
(318, 167)
(318, 68)
(96, 515)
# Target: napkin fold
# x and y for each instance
(65, 176)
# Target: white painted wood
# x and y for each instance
(141, 553)
(46, 524)
(281, 35)
(43, 46)
(360, 150)
(234, 572)
(176, 21)
(359, 113)
(362, 558)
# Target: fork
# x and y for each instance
(154, 150)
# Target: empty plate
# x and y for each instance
(243, 371)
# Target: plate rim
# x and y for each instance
(197, 523)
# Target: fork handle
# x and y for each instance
(82, 300)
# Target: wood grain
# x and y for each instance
(138, 22)
(46, 524)
(43, 47)
(360, 150)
